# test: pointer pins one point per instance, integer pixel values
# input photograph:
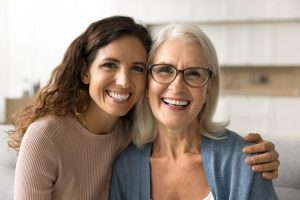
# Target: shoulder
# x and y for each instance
(47, 127)
(225, 155)
(131, 173)
(44, 131)
(131, 160)
(231, 142)
(132, 154)
(37, 146)
(47, 124)
(223, 160)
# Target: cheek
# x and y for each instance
(140, 83)
(201, 99)
(153, 90)
(150, 89)
(97, 81)
(98, 84)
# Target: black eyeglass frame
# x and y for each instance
(180, 71)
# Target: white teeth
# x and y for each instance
(176, 102)
(118, 97)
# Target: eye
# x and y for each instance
(109, 66)
(195, 74)
(192, 72)
(163, 70)
(138, 69)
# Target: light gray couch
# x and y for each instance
(8, 158)
(287, 185)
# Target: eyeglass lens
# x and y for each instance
(165, 74)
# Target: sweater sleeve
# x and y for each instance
(37, 165)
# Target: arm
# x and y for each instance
(130, 175)
(116, 190)
(37, 167)
(267, 161)
(262, 189)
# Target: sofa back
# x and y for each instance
(8, 158)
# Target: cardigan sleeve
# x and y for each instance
(262, 189)
(117, 183)
(130, 178)
(37, 166)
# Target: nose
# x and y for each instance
(123, 79)
(177, 83)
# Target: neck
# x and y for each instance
(97, 121)
(174, 143)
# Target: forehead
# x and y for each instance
(128, 47)
(176, 51)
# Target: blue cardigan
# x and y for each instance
(223, 160)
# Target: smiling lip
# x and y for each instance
(118, 96)
(175, 104)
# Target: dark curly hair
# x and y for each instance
(65, 93)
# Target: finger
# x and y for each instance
(266, 167)
(264, 146)
(262, 158)
(270, 175)
(253, 137)
(271, 156)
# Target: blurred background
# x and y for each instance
(258, 44)
(257, 41)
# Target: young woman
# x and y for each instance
(185, 154)
(68, 138)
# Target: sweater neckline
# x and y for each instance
(90, 134)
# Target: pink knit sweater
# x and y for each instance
(60, 159)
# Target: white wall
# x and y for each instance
(272, 116)
(3, 56)
(158, 11)
(33, 37)
(263, 44)
(34, 34)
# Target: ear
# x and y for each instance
(85, 76)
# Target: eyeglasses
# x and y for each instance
(193, 76)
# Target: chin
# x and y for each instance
(119, 113)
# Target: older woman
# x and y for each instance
(184, 154)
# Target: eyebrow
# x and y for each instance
(164, 63)
(188, 66)
(112, 59)
(161, 63)
(118, 61)
(139, 63)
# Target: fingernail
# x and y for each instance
(248, 160)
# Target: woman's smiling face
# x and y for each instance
(177, 105)
(117, 76)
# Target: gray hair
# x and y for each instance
(144, 128)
